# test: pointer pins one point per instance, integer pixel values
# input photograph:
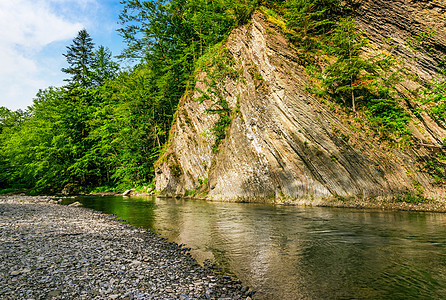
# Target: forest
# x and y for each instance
(106, 127)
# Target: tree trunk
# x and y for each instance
(353, 94)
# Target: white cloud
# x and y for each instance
(32, 24)
(28, 26)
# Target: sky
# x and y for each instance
(34, 37)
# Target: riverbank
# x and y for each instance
(402, 203)
(50, 251)
(406, 203)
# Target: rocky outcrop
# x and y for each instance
(414, 31)
(284, 143)
(410, 29)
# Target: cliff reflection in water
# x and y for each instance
(297, 252)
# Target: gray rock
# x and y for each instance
(128, 192)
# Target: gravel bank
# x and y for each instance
(49, 251)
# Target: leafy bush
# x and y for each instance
(388, 117)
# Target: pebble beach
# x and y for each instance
(51, 251)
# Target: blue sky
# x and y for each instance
(34, 36)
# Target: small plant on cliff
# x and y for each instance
(410, 198)
(433, 101)
(434, 98)
(419, 42)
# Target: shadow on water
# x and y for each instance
(300, 252)
(138, 211)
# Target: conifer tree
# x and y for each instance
(80, 57)
(345, 76)
(309, 18)
(103, 65)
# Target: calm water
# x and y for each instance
(286, 252)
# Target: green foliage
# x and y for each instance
(179, 30)
(109, 135)
(9, 123)
(131, 125)
(322, 31)
(368, 82)
(11, 119)
(42, 150)
(388, 118)
(79, 57)
(434, 99)
(220, 128)
(436, 167)
(345, 77)
(103, 66)
(218, 64)
(415, 199)
(106, 129)
(8, 191)
(419, 42)
(308, 19)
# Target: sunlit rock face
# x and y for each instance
(283, 143)
(411, 29)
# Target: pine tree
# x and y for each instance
(80, 57)
(103, 65)
(345, 76)
(310, 18)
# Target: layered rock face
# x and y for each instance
(411, 29)
(283, 143)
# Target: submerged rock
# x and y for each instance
(128, 192)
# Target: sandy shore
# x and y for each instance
(50, 251)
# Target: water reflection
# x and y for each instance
(295, 252)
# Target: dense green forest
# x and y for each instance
(106, 127)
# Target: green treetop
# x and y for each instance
(103, 65)
(80, 59)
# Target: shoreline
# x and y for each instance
(51, 251)
(377, 203)
(380, 203)
(390, 203)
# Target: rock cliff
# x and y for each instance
(284, 144)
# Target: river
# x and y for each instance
(288, 252)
